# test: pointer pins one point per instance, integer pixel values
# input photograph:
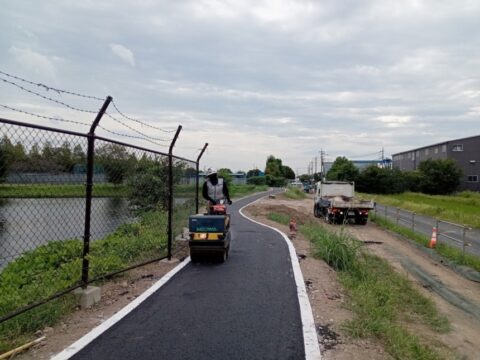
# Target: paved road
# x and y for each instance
(447, 233)
(246, 308)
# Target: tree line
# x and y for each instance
(435, 177)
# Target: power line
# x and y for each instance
(47, 98)
(44, 117)
(48, 88)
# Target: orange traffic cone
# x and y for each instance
(433, 240)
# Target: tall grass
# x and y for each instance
(280, 218)
(453, 254)
(463, 208)
(383, 301)
(295, 193)
(246, 189)
(63, 190)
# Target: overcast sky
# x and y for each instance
(254, 78)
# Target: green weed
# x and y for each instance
(295, 193)
(280, 218)
(463, 208)
(381, 299)
(455, 255)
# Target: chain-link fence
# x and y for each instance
(455, 235)
(55, 237)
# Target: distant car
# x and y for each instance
(307, 188)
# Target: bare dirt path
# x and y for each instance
(455, 296)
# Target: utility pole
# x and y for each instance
(322, 164)
(315, 166)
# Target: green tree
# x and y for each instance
(6, 157)
(376, 180)
(275, 172)
(273, 167)
(441, 176)
(148, 188)
(226, 174)
(253, 172)
(289, 173)
(64, 157)
(116, 161)
(78, 156)
(305, 178)
(257, 180)
(343, 170)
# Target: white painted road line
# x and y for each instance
(100, 329)
(310, 339)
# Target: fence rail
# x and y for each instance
(57, 235)
(459, 236)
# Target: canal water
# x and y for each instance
(26, 224)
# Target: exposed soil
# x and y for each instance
(455, 297)
(327, 297)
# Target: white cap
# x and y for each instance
(211, 171)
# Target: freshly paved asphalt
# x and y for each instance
(246, 308)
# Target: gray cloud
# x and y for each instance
(260, 77)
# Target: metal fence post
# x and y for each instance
(88, 191)
(464, 244)
(397, 215)
(170, 193)
(196, 178)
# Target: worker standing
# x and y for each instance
(215, 189)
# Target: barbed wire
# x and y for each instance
(141, 122)
(47, 98)
(131, 136)
(135, 130)
(42, 116)
(48, 88)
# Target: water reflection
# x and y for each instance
(29, 223)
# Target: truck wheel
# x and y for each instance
(316, 211)
(222, 257)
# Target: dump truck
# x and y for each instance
(335, 201)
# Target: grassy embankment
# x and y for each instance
(50, 268)
(244, 190)
(464, 206)
(385, 304)
(55, 191)
(102, 190)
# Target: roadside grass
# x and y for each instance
(246, 189)
(103, 190)
(280, 218)
(381, 299)
(384, 302)
(462, 208)
(295, 193)
(448, 252)
(56, 266)
(63, 190)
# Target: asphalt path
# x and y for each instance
(450, 234)
(246, 308)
